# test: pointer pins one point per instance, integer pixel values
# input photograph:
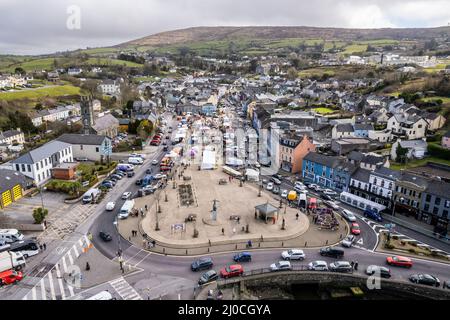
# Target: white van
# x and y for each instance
(104, 295)
(10, 235)
(126, 209)
(135, 160)
(90, 195)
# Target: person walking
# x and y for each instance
(352, 264)
(356, 265)
(45, 246)
(296, 216)
(88, 267)
(40, 247)
(223, 231)
(146, 208)
(234, 231)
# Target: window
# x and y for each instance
(97, 149)
(435, 210)
(426, 207)
(23, 168)
(437, 201)
(37, 165)
(17, 167)
(428, 198)
(28, 168)
(444, 214)
(447, 204)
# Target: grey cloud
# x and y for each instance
(28, 26)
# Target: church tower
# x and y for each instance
(87, 113)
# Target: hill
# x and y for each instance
(207, 34)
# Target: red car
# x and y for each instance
(354, 229)
(233, 270)
(399, 261)
(10, 276)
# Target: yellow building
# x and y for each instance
(12, 185)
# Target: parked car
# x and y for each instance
(275, 180)
(155, 162)
(112, 181)
(166, 148)
(318, 265)
(160, 176)
(138, 182)
(371, 214)
(355, 229)
(426, 279)
(208, 277)
(278, 176)
(126, 195)
(348, 241)
(118, 176)
(202, 264)
(107, 184)
(10, 277)
(130, 174)
(230, 271)
(332, 204)
(280, 266)
(269, 186)
(332, 252)
(105, 236)
(313, 186)
(293, 254)
(341, 266)
(378, 270)
(120, 173)
(276, 190)
(399, 261)
(348, 215)
(329, 192)
(242, 257)
(265, 180)
(284, 193)
(110, 206)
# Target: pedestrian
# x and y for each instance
(146, 208)
(45, 246)
(88, 267)
(238, 220)
(143, 243)
(296, 216)
(352, 264)
(41, 247)
(356, 265)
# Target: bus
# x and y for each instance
(28, 248)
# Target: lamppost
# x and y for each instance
(119, 251)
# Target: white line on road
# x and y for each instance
(61, 286)
(52, 288)
(142, 260)
(43, 293)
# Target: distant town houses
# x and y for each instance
(12, 81)
(12, 136)
(56, 114)
(445, 142)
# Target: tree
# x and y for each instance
(39, 215)
(144, 129)
(38, 106)
(401, 154)
(292, 74)
(90, 86)
(253, 65)
(20, 70)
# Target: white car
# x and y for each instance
(293, 254)
(284, 194)
(313, 186)
(332, 204)
(126, 195)
(318, 265)
(155, 162)
(160, 176)
(348, 241)
(137, 155)
(269, 186)
(110, 206)
(348, 215)
(330, 192)
(281, 265)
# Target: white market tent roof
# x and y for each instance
(209, 160)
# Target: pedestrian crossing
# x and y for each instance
(55, 282)
(125, 291)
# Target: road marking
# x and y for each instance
(52, 288)
(43, 293)
(140, 250)
(124, 289)
(142, 260)
(60, 283)
(360, 241)
(33, 293)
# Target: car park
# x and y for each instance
(426, 279)
(281, 266)
(332, 252)
(355, 229)
(230, 271)
(383, 272)
(399, 261)
(242, 257)
(269, 186)
(284, 193)
(348, 215)
(126, 195)
(318, 265)
(293, 254)
(105, 236)
(348, 241)
(208, 277)
(202, 264)
(341, 266)
(110, 206)
(107, 184)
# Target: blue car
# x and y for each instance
(242, 257)
(371, 214)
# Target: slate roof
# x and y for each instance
(10, 179)
(438, 188)
(329, 161)
(387, 173)
(413, 144)
(105, 122)
(362, 175)
(345, 127)
(9, 133)
(42, 152)
(87, 139)
(363, 126)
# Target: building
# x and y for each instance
(65, 171)
(382, 185)
(12, 186)
(409, 127)
(416, 149)
(106, 125)
(408, 194)
(445, 142)
(12, 136)
(37, 164)
(110, 87)
(319, 168)
(293, 149)
(343, 130)
(435, 206)
(435, 121)
(345, 145)
(91, 146)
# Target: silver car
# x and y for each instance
(348, 241)
(348, 215)
(318, 265)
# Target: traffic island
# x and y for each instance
(209, 216)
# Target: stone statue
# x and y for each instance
(214, 210)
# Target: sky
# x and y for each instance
(47, 26)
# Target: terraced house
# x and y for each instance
(408, 194)
(319, 168)
(435, 206)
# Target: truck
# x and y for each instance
(126, 209)
(11, 260)
(91, 195)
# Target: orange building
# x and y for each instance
(293, 149)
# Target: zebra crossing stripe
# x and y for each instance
(60, 283)
(52, 288)
(33, 293)
(77, 254)
(43, 293)
(70, 258)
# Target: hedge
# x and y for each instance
(438, 152)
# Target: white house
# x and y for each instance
(11, 136)
(91, 146)
(410, 126)
(109, 87)
(416, 149)
(380, 135)
(37, 163)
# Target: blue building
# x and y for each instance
(209, 109)
(361, 130)
(320, 169)
(342, 176)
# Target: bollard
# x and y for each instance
(236, 247)
(259, 245)
(282, 244)
(186, 251)
(164, 250)
(306, 243)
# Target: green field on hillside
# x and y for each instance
(55, 91)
